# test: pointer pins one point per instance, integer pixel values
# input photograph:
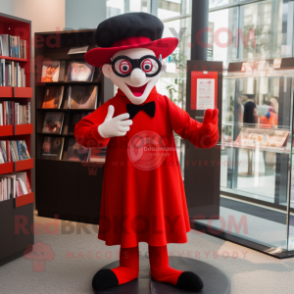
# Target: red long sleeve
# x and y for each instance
(201, 136)
(189, 128)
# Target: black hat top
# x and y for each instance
(135, 24)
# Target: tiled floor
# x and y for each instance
(75, 254)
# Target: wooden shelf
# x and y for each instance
(6, 168)
(66, 110)
(24, 200)
(6, 92)
(57, 135)
(16, 92)
(72, 179)
(20, 206)
(23, 92)
(24, 129)
(23, 165)
(6, 131)
(13, 58)
(68, 83)
(11, 167)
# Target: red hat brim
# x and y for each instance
(100, 56)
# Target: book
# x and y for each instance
(52, 148)
(8, 152)
(28, 184)
(76, 152)
(23, 188)
(23, 151)
(15, 185)
(12, 74)
(66, 99)
(1, 46)
(19, 190)
(78, 50)
(80, 71)
(83, 97)
(13, 155)
(74, 119)
(257, 137)
(53, 122)
(2, 73)
(12, 186)
(5, 45)
(15, 150)
(3, 151)
(22, 113)
(2, 160)
(50, 71)
(53, 97)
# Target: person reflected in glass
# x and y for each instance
(250, 118)
(271, 118)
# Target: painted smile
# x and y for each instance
(137, 91)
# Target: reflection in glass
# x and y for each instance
(263, 25)
(223, 26)
(117, 7)
(173, 81)
(216, 3)
(258, 103)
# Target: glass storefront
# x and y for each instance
(256, 155)
(117, 7)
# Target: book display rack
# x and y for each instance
(68, 176)
(16, 197)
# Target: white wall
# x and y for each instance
(46, 15)
(84, 14)
(6, 6)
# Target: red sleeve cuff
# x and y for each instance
(101, 142)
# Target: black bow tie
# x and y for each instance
(149, 108)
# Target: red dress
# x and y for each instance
(143, 197)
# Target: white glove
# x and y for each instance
(115, 127)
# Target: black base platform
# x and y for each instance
(215, 282)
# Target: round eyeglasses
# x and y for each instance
(124, 65)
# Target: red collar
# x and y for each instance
(151, 96)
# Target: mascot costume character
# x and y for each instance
(143, 198)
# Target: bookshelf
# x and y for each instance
(18, 210)
(69, 190)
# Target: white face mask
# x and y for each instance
(137, 86)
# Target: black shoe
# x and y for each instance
(104, 279)
(190, 282)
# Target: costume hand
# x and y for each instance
(209, 129)
(115, 126)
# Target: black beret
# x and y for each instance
(135, 24)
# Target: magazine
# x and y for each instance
(80, 71)
(76, 152)
(52, 148)
(53, 97)
(53, 122)
(50, 71)
(83, 97)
